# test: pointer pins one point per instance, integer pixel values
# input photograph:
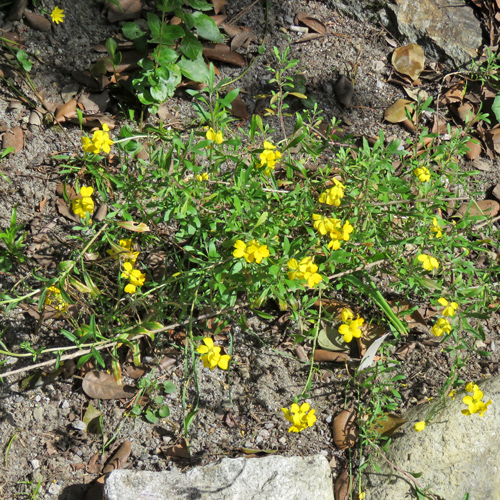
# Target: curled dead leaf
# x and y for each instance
(344, 90)
(343, 485)
(127, 10)
(100, 385)
(223, 53)
(36, 21)
(333, 357)
(397, 112)
(239, 108)
(345, 429)
(474, 150)
(409, 60)
(311, 22)
(117, 461)
(488, 208)
(136, 227)
(13, 138)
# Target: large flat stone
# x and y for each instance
(457, 454)
(269, 478)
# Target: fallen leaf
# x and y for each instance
(13, 138)
(117, 461)
(36, 21)
(307, 37)
(17, 10)
(242, 39)
(488, 208)
(231, 30)
(474, 150)
(128, 9)
(387, 424)
(344, 90)
(332, 357)
(453, 95)
(397, 112)
(100, 385)
(414, 319)
(178, 450)
(66, 111)
(409, 60)
(218, 20)
(136, 227)
(101, 213)
(218, 5)
(345, 430)
(51, 449)
(369, 356)
(92, 419)
(329, 338)
(223, 53)
(310, 22)
(63, 209)
(342, 486)
(239, 108)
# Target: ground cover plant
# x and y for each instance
(210, 226)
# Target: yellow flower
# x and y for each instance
(452, 395)
(203, 177)
(449, 308)
(346, 315)
(422, 173)
(334, 195)
(435, 228)
(442, 326)
(268, 158)
(253, 252)
(474, 403)
(325, 225)
(341, 234)
(301, 417)
(306, 269)
(57, 15)
(125, 253)
(135, 277)
(211, 355)
(429, 263)
(100, 140)
(54, 299)
(419, 426)
(214, 136)
(83, 205)
(351, 329)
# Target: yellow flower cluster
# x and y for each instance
(306, 269)
(57, 15)
(422, 173)
(100, 140)
(301, 417)
(428, 262)
(474, 403)
(333, 227)
(268, 158)
(351, 327)
(204, 177)
(125, 252)
(436, 229)
(54, 299)
(135, 277)
(449, 307)
(441, 326)
(253, 252)
(214, 136)
(334, 195)
(212, 356)
(83, 205)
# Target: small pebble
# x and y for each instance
(79, 425)
(65, 404)
(38, 399)
(54, 489)
(329, 419)
(35, 463)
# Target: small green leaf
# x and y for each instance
(191, 47)
(194, 70)
(495, 107)
(206, 28)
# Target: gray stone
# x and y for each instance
(447, 30)
(456, 454)
(269, 478)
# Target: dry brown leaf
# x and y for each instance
(331, 356)
(231, 30)
(129, 62)
(101, 385)
(219, 5)
(64, 210)
(311, 22)
(345, 429)
(409, 60)
(178, 450)
(414, 319)
(387, 424)
(36, 21)
(117, 461)
(101, 213)
(13, 138)
(307, 37)
(465, 112)
(403, 351)
(455, 94)
(221, 52)
(397, 112)
(130, 9)
(439, 125)
(489, 208)
(474, 150)
(87, 79)
(98, 121)
(218, 20)
(66, 111)
(342, 487)
(242, 39)
(344, 90)
(239, 108)
(17, 10)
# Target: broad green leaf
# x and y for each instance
(164, 55)
(191, 47)
(194, 70)
(206, 28)
(200, 4)
(495, 107)
(154, 23)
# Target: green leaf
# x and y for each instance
(495, 107)
(22, 57)
(164, 55)
(154, 23)
(194, 70)
(169, 35)
(169, 387)
(206, 28)
(132, 31)
(111, 46)
(191, 47)
(164, 412)
(200, 5)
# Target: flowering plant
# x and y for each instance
(84, 204)
(100, 140)
(212, 356)
(301, 416)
